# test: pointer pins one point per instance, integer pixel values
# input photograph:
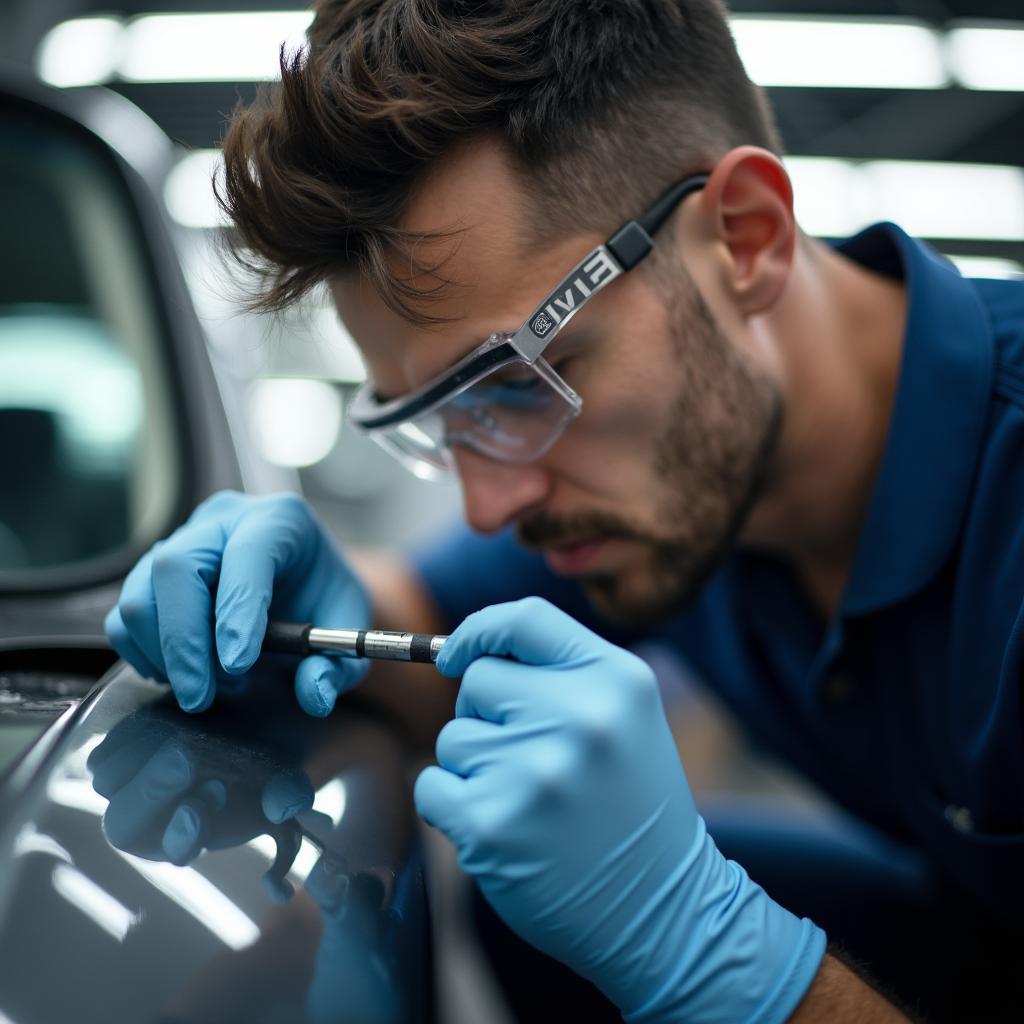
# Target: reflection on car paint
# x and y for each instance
(318, 918)
(46, 694)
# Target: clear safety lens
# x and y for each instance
(512, 414)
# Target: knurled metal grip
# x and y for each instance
(420, 647)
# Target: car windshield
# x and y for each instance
(88, 461)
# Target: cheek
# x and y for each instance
(609, 449)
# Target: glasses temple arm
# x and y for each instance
(632, 242)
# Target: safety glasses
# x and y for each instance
(504, 400)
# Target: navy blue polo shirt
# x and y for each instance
(906, 707)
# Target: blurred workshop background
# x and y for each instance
(912, 112)
(909, 111)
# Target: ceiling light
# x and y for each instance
(987, 56)
(828, 199)
(840, 53)
(833, 198)
(210, 47)
(947, 200)
(188, 191)
(296, 422)
(83, 51)
(777, 51)
(988, 266)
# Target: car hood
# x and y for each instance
(319, 918)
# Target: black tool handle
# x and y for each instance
(288, 638)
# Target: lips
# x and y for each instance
(572, 559)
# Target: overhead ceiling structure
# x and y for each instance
(927, 81)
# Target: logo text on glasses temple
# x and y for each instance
(597, 270)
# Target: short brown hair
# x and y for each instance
(601, 105)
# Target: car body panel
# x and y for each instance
(97, 930)
(90, 932)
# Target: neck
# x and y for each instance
(839, 330)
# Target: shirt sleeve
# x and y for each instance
(464, 571)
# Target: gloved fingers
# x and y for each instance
(466, 745)
(500, 690)
(122, 642)
(288, 793)
(441, 798)
(136, 605)
(256, 551)
(184, 574)
(530, 631)
(140, 803)
(280, 556)
(223, 507)
(137, 608)
(319, 681)
(226, 683)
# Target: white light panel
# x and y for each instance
(83, 51)
(188, 191)
(987, 56)
(777, 51)
(840, 53)
(295, 422)
(210, 47)
(937, 200)
(987, 266)
(932, 200)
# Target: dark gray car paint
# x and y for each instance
(367, 956)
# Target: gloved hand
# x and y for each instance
(560, 785)
(212, 582)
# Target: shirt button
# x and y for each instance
(838, 689)
(960, 818)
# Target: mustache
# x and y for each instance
(545, 530)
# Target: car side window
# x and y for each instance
(88, 457)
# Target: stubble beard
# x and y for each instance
(708, 468)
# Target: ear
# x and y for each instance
(748, 201)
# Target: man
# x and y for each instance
(564, 242)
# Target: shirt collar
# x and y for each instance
(938, 417)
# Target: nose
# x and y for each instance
(495, 494)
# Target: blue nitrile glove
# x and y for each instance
(561, 787)
(216, 577)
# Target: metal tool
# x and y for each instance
(305, 638)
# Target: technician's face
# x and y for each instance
(649, 485)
